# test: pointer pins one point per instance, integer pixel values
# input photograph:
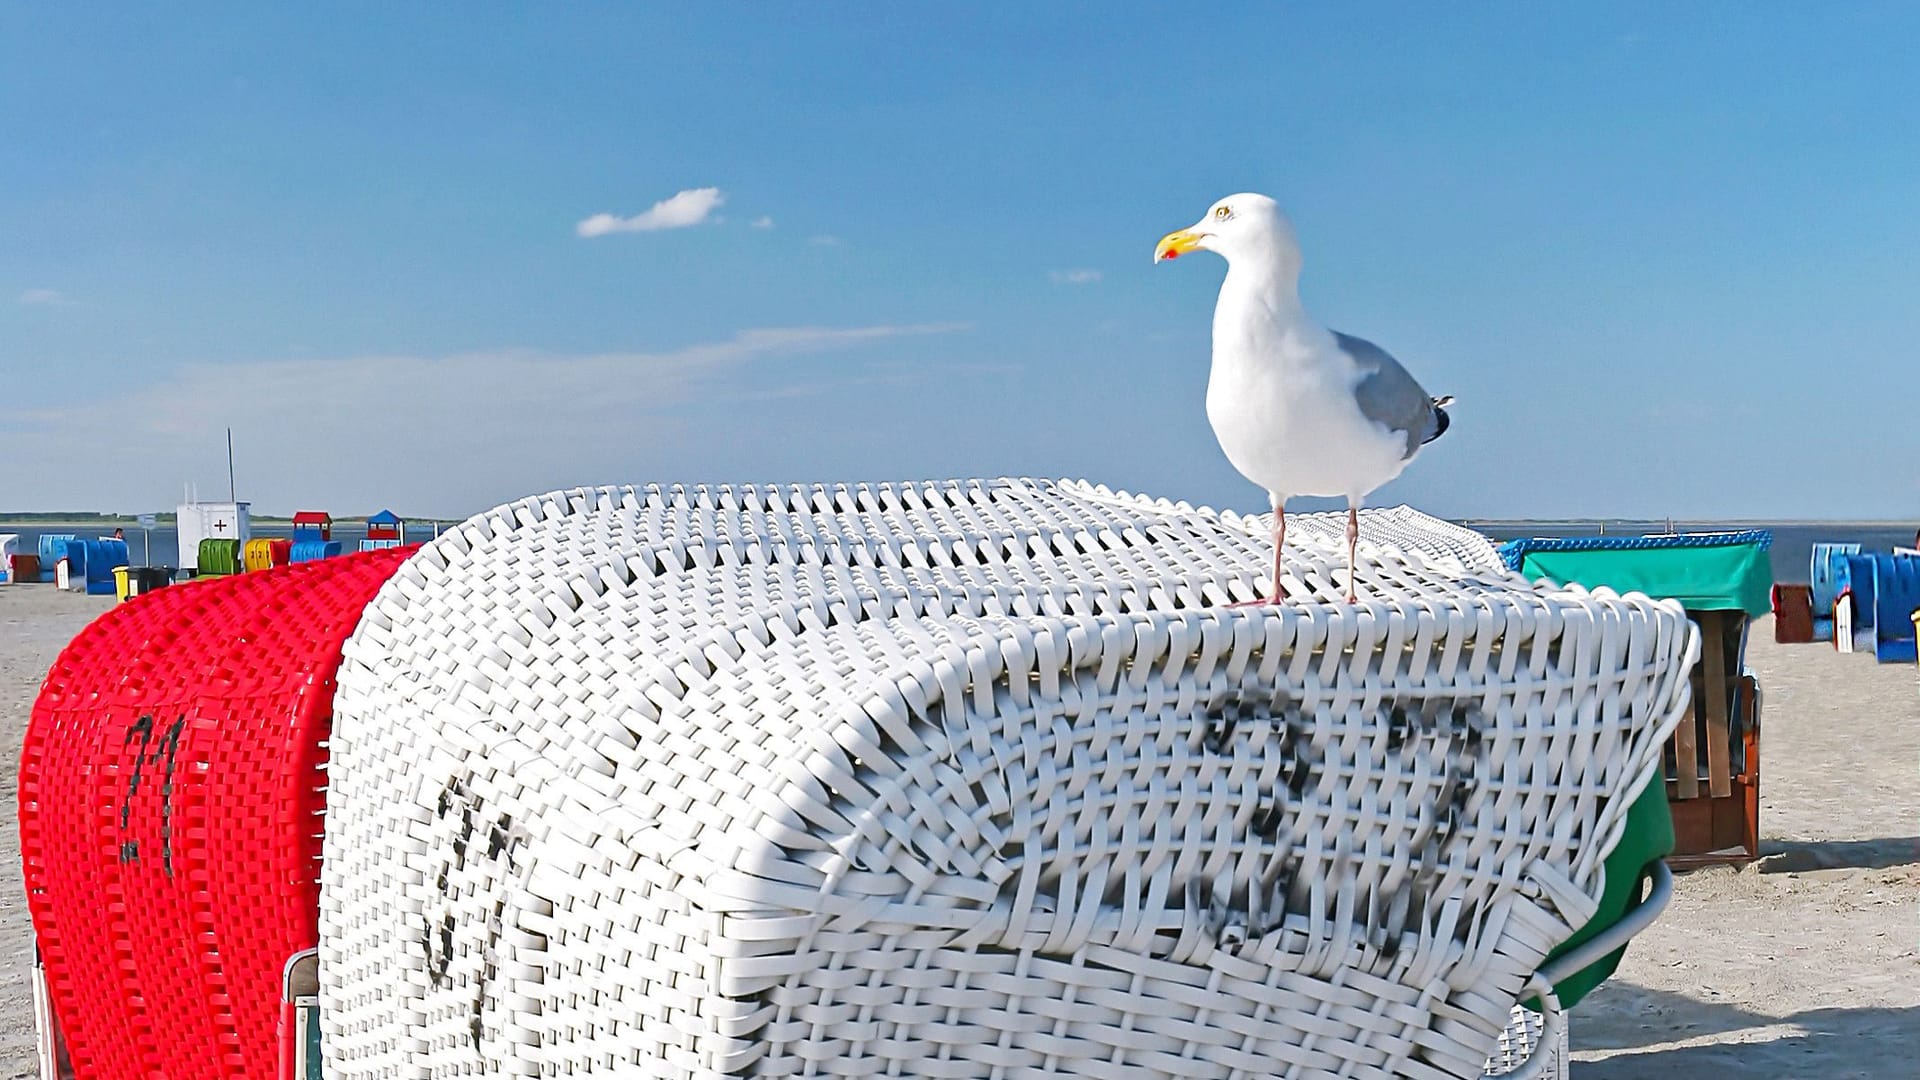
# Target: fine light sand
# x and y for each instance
(1801, 965)
(36, 622)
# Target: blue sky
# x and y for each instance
(1666, 260)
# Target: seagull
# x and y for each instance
(1299, 409)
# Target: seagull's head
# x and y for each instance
(1244, 226)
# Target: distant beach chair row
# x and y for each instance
(312, 540)
(65, 560)
(101, 566)
(1862, 601)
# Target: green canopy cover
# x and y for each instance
(1720, 572)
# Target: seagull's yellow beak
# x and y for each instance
(1175, 244)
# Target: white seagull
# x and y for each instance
(1299, 409)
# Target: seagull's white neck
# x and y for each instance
(1259, 305)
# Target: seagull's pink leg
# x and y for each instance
(1353, 539)
(1279, 542)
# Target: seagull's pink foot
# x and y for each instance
(1279, 597)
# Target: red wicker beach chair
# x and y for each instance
(171, 789)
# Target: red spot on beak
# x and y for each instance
(1172, 253)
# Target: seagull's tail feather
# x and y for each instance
(1441, 421)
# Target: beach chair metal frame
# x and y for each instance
(300, 1056)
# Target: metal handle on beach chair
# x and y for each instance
(1553, 1018)
(1613, 938)
(299, 982)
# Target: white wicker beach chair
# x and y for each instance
(965, 779)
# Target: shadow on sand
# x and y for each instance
(1633, 1016)
(1836, 1044)
(1793, 856)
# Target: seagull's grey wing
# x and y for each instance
(1390, 396)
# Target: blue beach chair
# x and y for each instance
(1853, 586)
(53, 548)
(1896, 595)
(1828, 565)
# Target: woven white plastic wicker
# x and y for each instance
(1519, 1042)
(965, 779)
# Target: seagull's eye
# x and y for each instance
(1223, 213)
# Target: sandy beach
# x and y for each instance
(1801, 965)
(36, 622)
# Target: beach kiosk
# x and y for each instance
(1724, 580)
(944, 779)
(384, 530)
(312, 525)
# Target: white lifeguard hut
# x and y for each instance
(199, 521)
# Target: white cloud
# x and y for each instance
(761, 222)
(689, 207)
(437, 434)
(824, 240)
(1074, 277)
(44, 298)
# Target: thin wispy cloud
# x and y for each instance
(761, 222)
(824, 240)
(1074, 277)
(44, 298)
(685, 209)
(507, 408)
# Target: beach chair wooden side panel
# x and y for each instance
(1717, 818)
(1715, 626)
